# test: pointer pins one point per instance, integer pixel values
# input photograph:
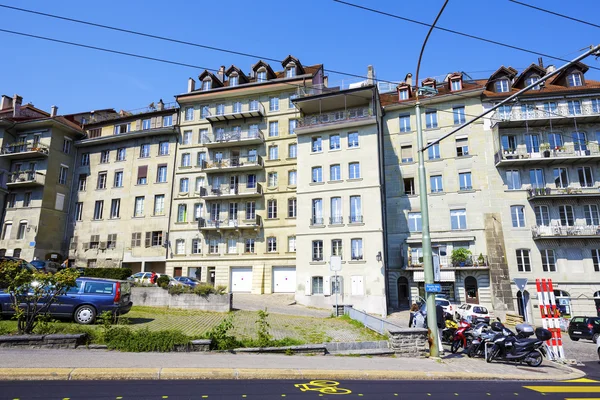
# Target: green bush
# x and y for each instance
(163, 281)
(221, 289)
(123, 338)
(264, 337)
(109, 273)
(204, 289)
(179, 289)
(220, 340)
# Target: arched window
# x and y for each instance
(471, 290)
(563, 302)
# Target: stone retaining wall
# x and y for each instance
(158, 297)
(302, 349)
(409, 342)
(44, 341)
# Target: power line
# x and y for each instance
(454, 31)
(555, 13)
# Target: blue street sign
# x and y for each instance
(433, 287)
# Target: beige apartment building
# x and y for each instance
(340, 200)
(546, 184)
(234, 204)
(122, 188)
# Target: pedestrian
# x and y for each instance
(441, 323)
(413, 309)
(153, 278)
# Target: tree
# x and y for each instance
(32, 293)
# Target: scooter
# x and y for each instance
(462, 336)
(448, 331)
(481, 334)
(519, 349)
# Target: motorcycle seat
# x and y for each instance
(525, 342)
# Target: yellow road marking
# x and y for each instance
(564, 389)
(323, 387)
(580, 380)
(587, 398)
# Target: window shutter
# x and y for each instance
(307, 288)
(341, 281)
(165, 238)
(137, 125)
(148, 239)
(153, 122)
(142, 171)
(327, 286)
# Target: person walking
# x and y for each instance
(413, 309)
(153, 278)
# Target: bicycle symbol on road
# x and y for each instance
(321, 386)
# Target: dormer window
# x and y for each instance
(290, 72)
(404, 94)
(531, 80)
(456, 84)
(574, 79)
(234, 80)
(206, 85)
(261, 76)
(502, 86)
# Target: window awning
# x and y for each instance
(446, 276)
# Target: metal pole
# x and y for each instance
(337, 288)
(524, 305)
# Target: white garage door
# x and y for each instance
(284, 279)
(241, 279)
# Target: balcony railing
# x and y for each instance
(242, 162)
(237, 223)
(228, 190)
(334, 117)
(26, 178)
(338, 220)
(540, 232)
(317, 221)
(232, 137)
(535, 193)
(24, 147)
(536, 113)
(355, 219)
(248, 110)
(480, 261)
(570, 152)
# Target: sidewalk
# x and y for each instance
(81, 364)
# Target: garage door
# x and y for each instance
(284, 279)
(241, 279)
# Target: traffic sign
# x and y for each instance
(437, 274)
(433, 287)
(521, 283)
(335, 263)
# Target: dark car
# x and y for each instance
(24, 264)
(192, 282)
(584, 328)
(48, 267)
(86, 300)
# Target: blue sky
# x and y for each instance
(315, 31)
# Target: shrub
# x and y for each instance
(220, 340)
(204, 289)
(108, 273)
(179, 289)
(163, 281)
(264, 337)
(221, 289)
(125, 339)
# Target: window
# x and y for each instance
(67, 145)
(78, 211)
(574, 79)
(185, 140)
(273, 152)
(22, 230)
(198, 210)
(414, 222)
(94, 241)
(317, 212)
(291, 244)
(464, 179)
(155, 238)
(184, 185)
(513, 179)
(7, 231)
(167, 120)
(121, 153)
(356, 247)
(101, 184)
(317, 284)
(336, 248)
(561, 177)
(161, 174)
(462, 147)
(142, 175)
(404, 94)
(501, 85)
(355, 209)
(455, 84)
(186, 160)
(139, 207)
(404, 123)
(234, 80)
(316, 144)
(409, 186)
(531, 80)
(213, 246)
(95, 133)
(292, 207)
(104, 156)
(536, 177)
(136, 239)
(335, 173)
(122, 128)
(591, 214)
(180, 246)
(292, 126)
(293, 150)
(146, 124)
(336, 211)
(406, 154)
(11, 200)
(182, 213)
(585, 176)
(523, 260)
(532, 143)
(272, 179)
(431, 119)
(595, 105)
(159, 204)
(574, 107)
(291, 101)
(111, 241)
(85, 159)
(204, 112)
(567, 217)
(334, 142)
(290, 72)
(63, 174)
(274, 104)
(353, 170)
(517, 214)
(250, 181)
(509, 143)
(436, 184)
(115, 208)
(196, 246)
(433, 152)
(271, 245)
(189, 114)
(317, 250)
(542, 215)
(261, 76)
(317, 174)
(271, 209)
(459, 115)
(98, 208)
(27, 199)
(250, 210)
(118, 182)
(253, 105)
(249, 246)
(555, 140)
(292, 178)
(352, 140)
(596, 259)
(82, 182)
(145, 151)
(458, 219)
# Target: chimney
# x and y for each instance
(550, 68)
(541, 62)
(221, 73)
(191, 85)
(17, 100)
(6, 102)
(370, 75)
(53, 111)
(408, 79)
(160, 106)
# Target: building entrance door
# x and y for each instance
(403, 292)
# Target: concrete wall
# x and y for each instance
(158, 297)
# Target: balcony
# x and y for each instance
(227, 191)
(567, 154)
(250, 110)
(243, 163)
(536, 116)
(562, 232)
(24, 150)
(232, 138)
(550, 193)
(25, 179)
(229, 224)
(473, 262)
(333, 118)
(317, 221)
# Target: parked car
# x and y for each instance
(186, 280)
(48, 267)
(584, 328)
(86, 300)
(144, 277)
(24, 264)
(446, 305)
(471, 311)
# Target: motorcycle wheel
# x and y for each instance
(455, 346)
(472, 351)
(492, 354)
(534, 359)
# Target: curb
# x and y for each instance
(23, 374)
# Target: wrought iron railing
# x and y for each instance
(233, 162)
(353, 219)
(565, 231)
(23, 147)
(533, 112)
(231, 136)
(228, 189)
(333, 117)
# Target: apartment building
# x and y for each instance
(122, 188)
(234, 206)
(546, 185)
(36, 163)
(340, 200)
(457, 186)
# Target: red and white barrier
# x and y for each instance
(550, 315)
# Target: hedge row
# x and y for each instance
(109, 273)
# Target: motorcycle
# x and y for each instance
(450, 328)
(521, 349)
(481, 333)
(462, 336)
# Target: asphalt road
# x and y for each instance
(269, 389)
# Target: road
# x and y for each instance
(270, 389)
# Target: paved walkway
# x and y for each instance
(276, 303)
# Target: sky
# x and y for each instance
(342, 38)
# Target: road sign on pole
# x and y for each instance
(335, 263)
(437, 275)
(433, 287)
(521, 285)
